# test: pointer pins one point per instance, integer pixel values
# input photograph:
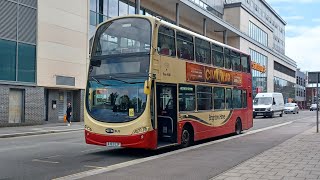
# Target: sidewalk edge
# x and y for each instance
(37, 133)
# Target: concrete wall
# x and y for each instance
(33, 103)
(232, 16)
(62, 41)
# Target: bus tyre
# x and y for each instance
(186, 137)
(238, 127)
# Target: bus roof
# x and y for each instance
(180, 29)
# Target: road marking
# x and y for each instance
(95, 167)
(44, 161)
(138, 161)
(52, 156)
(88, 150)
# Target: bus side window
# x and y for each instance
(203, 52)
(166, 41)
(185, 46)
(219, 98)
(217, 55)
(228, 98)
(235, 61)
(244, 99)
(236, 98)
(186, 97)
(244, 63)
(227, 56)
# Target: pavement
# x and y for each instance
(296, 159)
(7, 132)
(252, 155)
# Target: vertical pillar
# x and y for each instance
(137, 3)
(205, 27)
(177, 14)
(225, 37)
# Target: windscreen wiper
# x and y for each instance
(96, 80)
(117, 79)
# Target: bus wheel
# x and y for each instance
(238, 127)
(186, 136)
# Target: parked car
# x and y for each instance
(313, 107)
(268, 104)
(291, 108)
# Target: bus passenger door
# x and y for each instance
(167, 114)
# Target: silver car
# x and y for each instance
(291, 108)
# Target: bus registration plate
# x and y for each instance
(113, 144)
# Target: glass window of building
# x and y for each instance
(27, 61)
(113, 8)
(285, 87)
(93, 5)
(203, 54)
(185, 46)
(258, 34)
(123, 8)
(8, 60)
(204, 97)
(186, 97)
(217, 55)
(132, 9)
(166, 41)
(219, 98)
(259, 79)
(228, 58)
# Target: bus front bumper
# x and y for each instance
(146, 140)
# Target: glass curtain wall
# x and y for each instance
(259, 79)
(285, 87)
(18, 41)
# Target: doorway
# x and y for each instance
(16, 106)
(167, 114)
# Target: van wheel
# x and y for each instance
(238, 127)
(281, 114)
(271, 115)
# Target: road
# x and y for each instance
(56, 155)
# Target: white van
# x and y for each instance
(268, 104)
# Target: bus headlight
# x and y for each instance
(140, 130)
(87, 128)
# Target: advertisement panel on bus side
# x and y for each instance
(199, 73)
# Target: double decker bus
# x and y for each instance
(152, 84)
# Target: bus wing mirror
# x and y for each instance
(147, 87)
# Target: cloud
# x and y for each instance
(293, 18)
(315, 20)
(304, 48)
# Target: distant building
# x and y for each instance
(301, 79)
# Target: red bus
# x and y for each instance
(152, 84)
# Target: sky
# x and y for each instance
(302, 31)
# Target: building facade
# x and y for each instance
(45, 47)
(43, 55)
(301, 80)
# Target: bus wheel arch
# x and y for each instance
(187, 135)
(238, 126)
